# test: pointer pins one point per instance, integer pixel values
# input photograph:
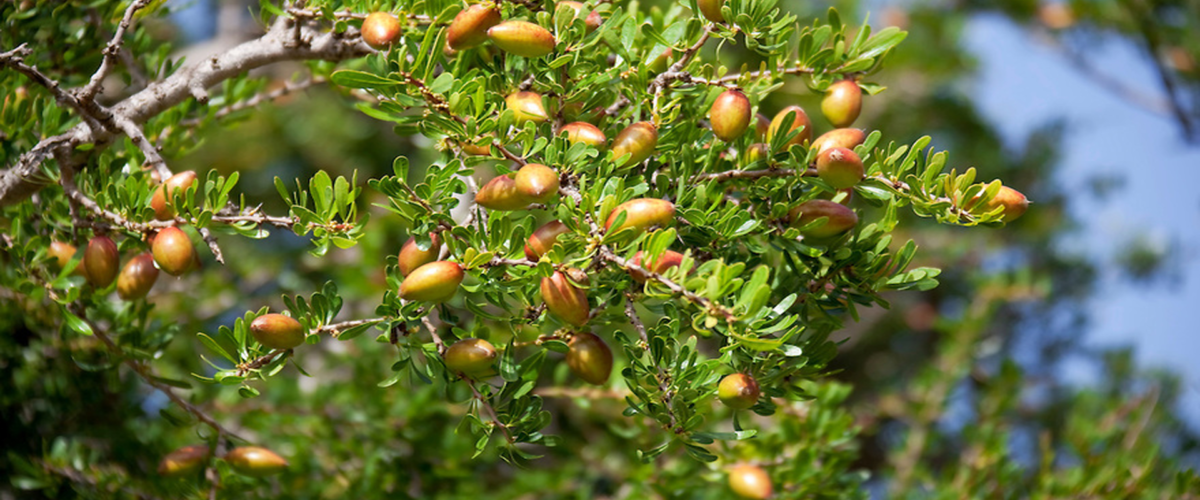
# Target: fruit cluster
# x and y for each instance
(252, 461)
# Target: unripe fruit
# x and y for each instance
(501, 193)
(842, 103)
(738, 391)
(586, 133)
(1013, 201)
(412, 257)
(640, 214)
(591, 21)
(470, 26)
(166, 192)
(184, 461)
(564, 300)
(474, 150)
(433, 282)
(101, 261)
(277, 331)
(667, 260)
(839, 138)
(801, 120)
(537, 183)
(255, 461)
(762, 125)
(637, 140)
(543, 238)
(380, 29)
(137, 278)
(527, 107)
(471, 356)
(522, 38)
(711, 10)
(730, 115)
(840, 218)
(749, 481)
(62, 253)
(757, 152)
(659, 63)
(589, 358)
(840, 167)
(173, 251)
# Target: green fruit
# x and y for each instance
(586, 133)
(846, 138)
(638, 141)
(543, 238)
(433, 282)
(536, 183)
(470, 27)
(667, 260)
(137, 278)
(178, 182)
(471, 356)
(412, 257)
(1014, 203)
(564, 300)
(277, 331)
(501, 193)
(101, 261)
(801, 120)
(589, 358)
(659, 63)
(840, 167)
(184, 461)
(255, 461)
(522, 38)
(527, 107)
(640, 214)
(738, 391)
(711, 10)
(757, 152)
(173, 251)
(730, 115)
(749, 481)
(842, 103)
(380, 30)
(839, 218)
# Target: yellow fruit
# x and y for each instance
(640, 214)
(738, 391)
(178, 182)
(543, 238)
(433, 282)
(586, 133)
(842, 103)
(470, 26)
(801, 120)
(749, 481)
(101, 261)
(839, 218)
(1014, 202)
(840, 167)
(184, 461)
(527, 107)
(589, 358)
(471, 356)
(638, 141)
(277, 331)
(380, 30)
(411, 256)
(536, 183)
(501, 193)
(62, 254)
(173, 251)
(255, 461)
(522, 38)
(846, 138)
(137, 278)
(730, 115)
(564, 300)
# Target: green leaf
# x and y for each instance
(361, 80)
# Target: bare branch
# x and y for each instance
(257, 100)
(111, 52)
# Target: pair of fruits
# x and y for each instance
(532, 183)
(249, 460)
(588, 357)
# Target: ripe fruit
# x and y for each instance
(637, 140)
(475, 150)
(730, 115)
(842, 103)
(839, 138)
(757, 152)
(801, 120)
(711, 10)
(738, 391)
(522, 38)
(471, 356)
(1013, 201)
(527, 107)
(749, 481)
(184, 461)
(501, 193)
(277, 331)
(566, 301)
(62, 253)
(412, 257)
(137, 278)
(589, 358)
(255, 461)
(177, 182)
(667, 260)
(173, 251)
(432, 282)
(640, 214)
(839, 167)
(536, 183)
(543, 238)
(100, 261)
(380, 29)
(840, 218)
(470, 26)
(586, 133)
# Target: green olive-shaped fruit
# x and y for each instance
(412, 257)
(564, 300)
(738, 391)
(380, 30)
(640, 214)
(638, 141)
(475, 150)
(469, 28)
(522, 38)
(839, 138)
(589, 358)
(840, 167)
(762, 125)
(586, 133)
(757, 152)
(667, 260)
(842, 103)
(536, 183)
(839, 218)
(660, 62)
(801, 120)
(433, 282)
(1014, 203)
(255, 461)
(277, 331)
(137, 278)
(749, 481)
(543, 238)
(166, 191)
(730, 115)
(173, 251)
(62, 253)
(101, 261)
(527, 107)
(501, 193)
(711, 9)
(471, 356)
(184, 461)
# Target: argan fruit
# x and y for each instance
(166, 192)
(433, 282)
(589, 358)
(591, 19)
(757, 152)
(471, 356)
(255, 461)
(842, 103)
(537, 183)
(101, 261)
(412, 257)
(660, 62)
(184, 461)
(839, 138)
(730, 115)
(840, 218)
(738, 391)
(586, 133)
(840, 167)
(522, 38)
(475, 150)
(564, 300)
(762, 125)
(137, 278)
(801, 120)
(173, 251)
(1014, 202)
(543, 238)
(501, 193)
(277, 331)
(62, 253)
(667, 260)
(638, 141)
(711, 9)
(527, 107)
(749, 481)
(470, 27)
(380, 29)
(640, 214)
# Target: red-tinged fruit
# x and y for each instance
(471, 356)
(638, 141)
(846, 138)
(470, 27)
(380, 30)
(543, 238)
(640, 214)
(667, 260)
(589, 358)
(173, 251)
(255, 461)
(527, 107)
(738, 391)
(536, 183)
(137, 278)
(184, 461)
(839, 218)
(62, 254)
(501, 193)
(412, 256)
(522, 38)
(730, 115)
(586, 133)
(711, 9)
(565, 300)
(801, 120)
(762, 125)
(750, 481)
(166, 193)
(842, 103)
(1014, 203)
(433, 282)
(101, 261)
(591, 19)
(659, 63)
(277, 331)
(840, 167)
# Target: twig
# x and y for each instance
(752, 174)
(580, 392)
(260, 361)
(675, 72)
(335, 329)
(437, 339)
(257, 100)
(709, 306)
(88, 93)
(487, 406)
(94, 116)
(636, 321)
